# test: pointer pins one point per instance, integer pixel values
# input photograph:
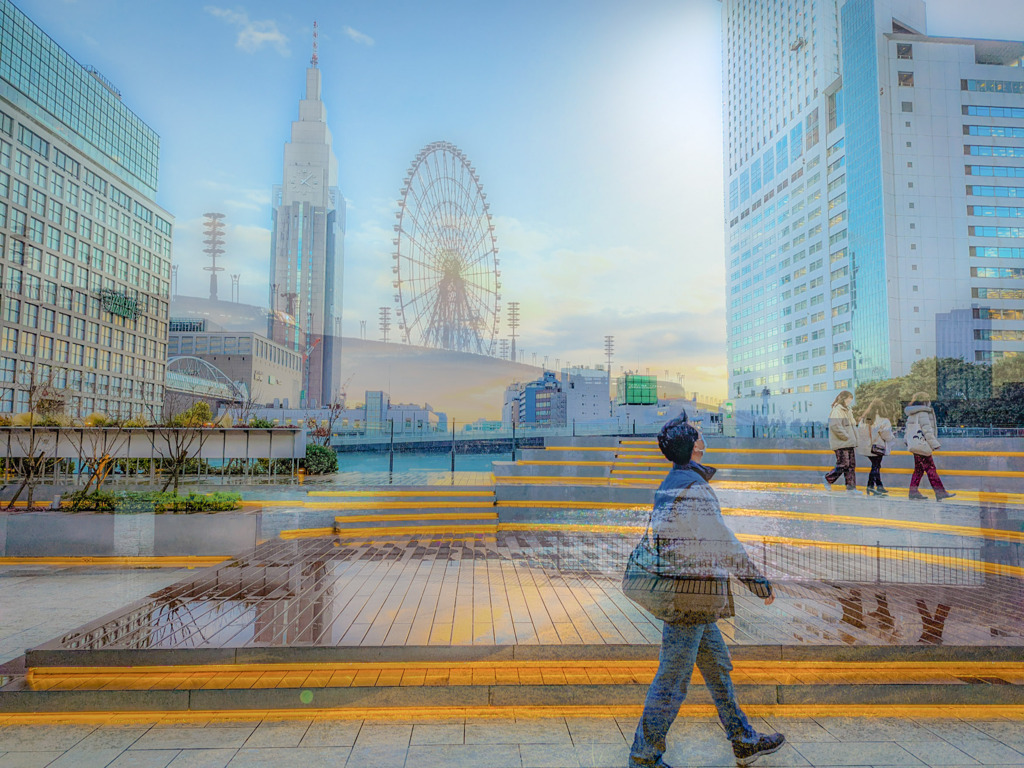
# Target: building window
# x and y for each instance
(908, 106)
(904, 51)
(906, 79)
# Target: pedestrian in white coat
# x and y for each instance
(874, 442)
(922, 442)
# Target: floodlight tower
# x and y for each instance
(609, 347)
(214, 241)
(513, 324)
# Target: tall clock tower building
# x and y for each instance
(307, 249)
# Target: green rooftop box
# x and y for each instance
(634, 389)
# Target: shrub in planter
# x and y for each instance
(130, 502)
(320, 460)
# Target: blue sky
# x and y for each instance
(595, 127)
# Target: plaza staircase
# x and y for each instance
(386, 511)
(625, 469)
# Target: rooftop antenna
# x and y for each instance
(214, 241)
(234, 287)
(315, 60)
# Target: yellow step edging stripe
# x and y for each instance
(426, 517)
(370, 504)
(823, 469)
(432, 713)
(371, 494)
(854, 672)
(865, 550)
(415, 529)
(169, 561)
(879, 522)
(306, 533)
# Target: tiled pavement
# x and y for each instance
(550, 742)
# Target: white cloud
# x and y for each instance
(358, 36)
(252, 35)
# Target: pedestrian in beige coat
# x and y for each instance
(842, 438)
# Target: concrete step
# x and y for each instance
(503, 676)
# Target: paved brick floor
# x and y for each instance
(552, 742)
(539, 588)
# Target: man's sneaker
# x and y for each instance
(944, 495)
(766, 745)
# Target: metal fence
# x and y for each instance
(606, 555)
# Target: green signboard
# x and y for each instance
(120, 304)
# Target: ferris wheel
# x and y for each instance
(445, 263)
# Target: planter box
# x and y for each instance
(85, 534)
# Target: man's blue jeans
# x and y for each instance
(682, 646)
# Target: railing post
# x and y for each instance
(453, 445)
(878, 561)
(391, 451)
(513, 441)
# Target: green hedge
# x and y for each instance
(320, 460)
(129, 501)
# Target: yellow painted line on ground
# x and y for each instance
(131, 562)
(879, 522)
(433, 713)
(398, 493)
(426, 517)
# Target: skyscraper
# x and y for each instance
(85, 277)
(859, 238)
(307, 248)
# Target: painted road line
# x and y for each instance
(386, 493)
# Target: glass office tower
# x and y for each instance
(86, 253)
(859, 238)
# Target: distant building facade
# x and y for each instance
(373, 418)
(84, 282)
(271, 372)
(871, 178)
(307, 249)
(586, 394)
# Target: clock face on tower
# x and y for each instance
(303, 180)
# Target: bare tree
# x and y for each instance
(181, 437)
(320, 432)
(244, 410)
(45, 407)
(98, 440)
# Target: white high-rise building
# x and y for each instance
(859, 236)
(307, 249)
